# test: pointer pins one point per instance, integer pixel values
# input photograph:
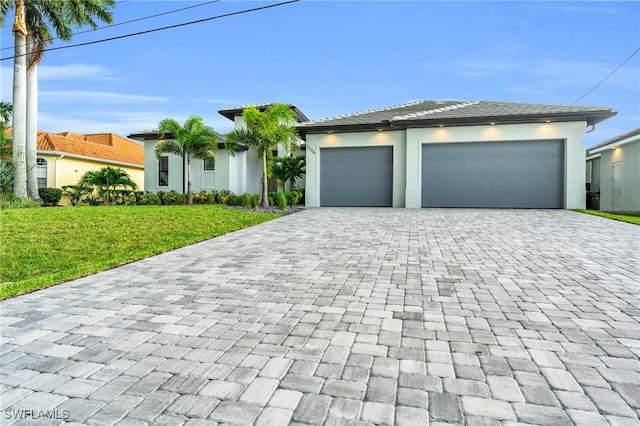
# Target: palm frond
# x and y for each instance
(168, 146)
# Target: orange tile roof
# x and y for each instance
(104, 146)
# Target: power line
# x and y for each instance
(607, 77)
(225, 15)
(133, 20)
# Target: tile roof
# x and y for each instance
(615, 139)
(432, 113)
(101, 146)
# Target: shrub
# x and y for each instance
(181, 200)
(293, 197)
(255, 200)
(50, 196)
(246, 200)
(170, 198)
(160, 195)
(6, 177)
(272, 198)
(149, 198)
(76, 192)
(206, 197)
(131, 200)
(233, 199)
(281, 200)
(10, 201)
(195, 198)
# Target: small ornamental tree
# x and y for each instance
(193, 140)
(107, 180)
(265, 131)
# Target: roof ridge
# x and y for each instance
(354, 114)
(435, 110)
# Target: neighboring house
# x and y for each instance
(613, 172)
(238, 173)
(450, 154)
(62, 158)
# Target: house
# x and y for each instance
(239, 173)
(63, 158)
(613, 172)
(450, 154)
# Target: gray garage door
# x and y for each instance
(356, 177)
(528, 174)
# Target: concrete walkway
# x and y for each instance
(345, 317)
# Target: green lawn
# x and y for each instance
(623, 217)
(46, 246)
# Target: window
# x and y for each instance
(163, 171)
(41, 172)
(209, 164)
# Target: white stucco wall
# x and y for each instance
(629, 158)
(571, 133)
(407, 154)
(394, 138)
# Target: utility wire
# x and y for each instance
(607, 77)
(133, 20)
(225, 15)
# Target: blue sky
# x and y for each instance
(335, 57)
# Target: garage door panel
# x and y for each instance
(356, 176)
(528, 174)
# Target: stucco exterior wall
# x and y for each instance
(571, 133)
(394, 138)
(629, 158)
(407, 154)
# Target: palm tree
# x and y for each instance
(61, 15)
(265, 130)
(193, 140)
(32, 34)
(107, 180)
(288, 169)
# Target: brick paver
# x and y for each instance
(344, 316)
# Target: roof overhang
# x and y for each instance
(591, 119)
(153, 135)
(614, 145)
(62, 154)
(231, 113)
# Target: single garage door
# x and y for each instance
(514, 174)
(355, 177)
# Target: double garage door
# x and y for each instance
(514, 174)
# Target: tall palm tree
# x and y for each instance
(31, 35)
(61, 15)
(193, 140)
(19, 102)
(265, 131)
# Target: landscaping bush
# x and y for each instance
(255, 200)
(181, 200)
(281, 200)
(225, 195)
(206, 197)
(272, 198)
(233, 199)
(149, 198)
(170, 198)
(6, 177)
(293, 197)
(195, 198)
(76, 192)
(246, 200)
(50, 196)
(10, 201)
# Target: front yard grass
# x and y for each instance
(623, 217)
(47, 246)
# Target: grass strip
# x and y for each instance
(46, 246)
(622, 217)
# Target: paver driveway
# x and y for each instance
(345, 316)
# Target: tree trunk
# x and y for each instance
(32, 124)
(265, 188)
(19, 103)
(189, 192)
